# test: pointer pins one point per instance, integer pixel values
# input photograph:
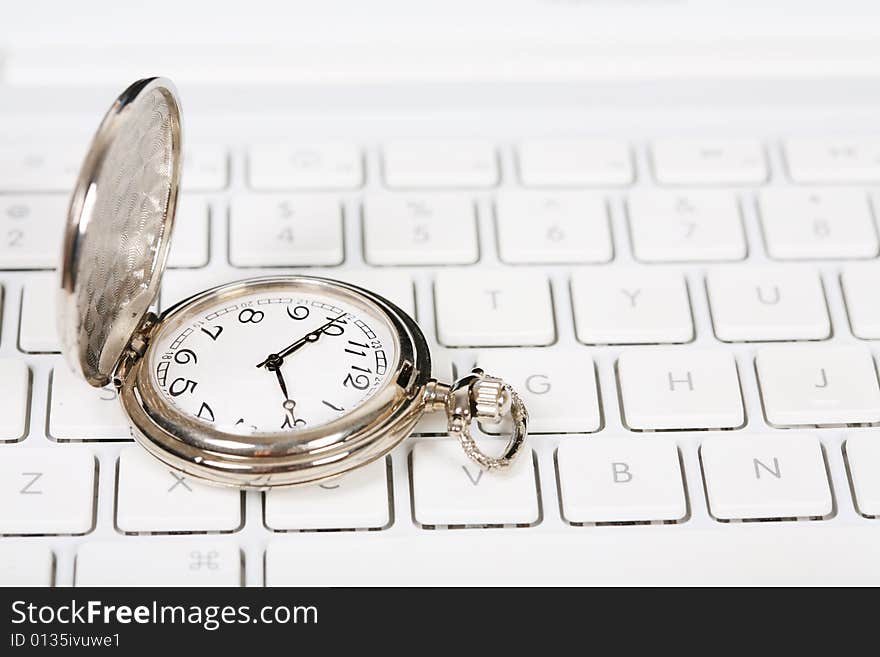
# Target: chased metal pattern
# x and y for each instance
(122, 239)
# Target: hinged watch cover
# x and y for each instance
(119, 227)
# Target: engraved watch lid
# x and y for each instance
(119, 228)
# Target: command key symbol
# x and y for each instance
(200, 560)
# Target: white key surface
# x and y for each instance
(150, 497)
(817, 223)
(31, 228)
(749, 553)
(860, 283)
(450, 489)
(574, 163)
(631, 306)
(863, 459)
(151, 562)
(31, 168)
(620, 479)
(26, 564)
(767, 303)
(685, 226)
(765, 477)
(189, 245)
(37, 331)
(558, 387)
(14, 398)
(315, 166)
(46, 491)
(392, 285)
(80, 412)
(494, 309)
(537, 227)
(179, 284)
(666, 388)
(357, 500)
(420, 229)
(818, 384)
(416, 164)
(709, 161)
(833, 160)
(205, 169)
(272, 230)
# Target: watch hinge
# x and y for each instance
(137, 347)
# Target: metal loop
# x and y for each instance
(460, 419)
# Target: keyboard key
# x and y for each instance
(436, 164)
(152, 498)
(450, 489)
(178, 284)
(327, 166)
(833, 160)
(428, 229)
(574, 163)
(31, 228)
(860, 284)
(704, 161)
(80, 412)
(558, 387)
(37, 333)
(46, 491)
(863, 458)
(774, 554)
(631, 306)
(767, 303)
(26, 564)
(765, 477)
(817, 223)
(552, 228)
(391, 285)
(357, 500)
(620, 479)
(205, 169)
(14, 394)
(285, 231)
(189, 243)
(685, 227)
(668, 389)
(145, 562)
(39, 169)
(493, 309)
(818, 385)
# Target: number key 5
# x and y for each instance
(425, 229)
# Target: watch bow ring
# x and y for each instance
(483, 398)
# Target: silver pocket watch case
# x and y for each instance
(115, 246)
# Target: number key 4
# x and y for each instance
(274, 230)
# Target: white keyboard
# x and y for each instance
(690, 321)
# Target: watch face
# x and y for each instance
(277, 358)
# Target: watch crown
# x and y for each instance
(491, 399)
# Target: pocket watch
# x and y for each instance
(264, 382)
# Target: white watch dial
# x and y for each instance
(273, 361)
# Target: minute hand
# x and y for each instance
(308, 337)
